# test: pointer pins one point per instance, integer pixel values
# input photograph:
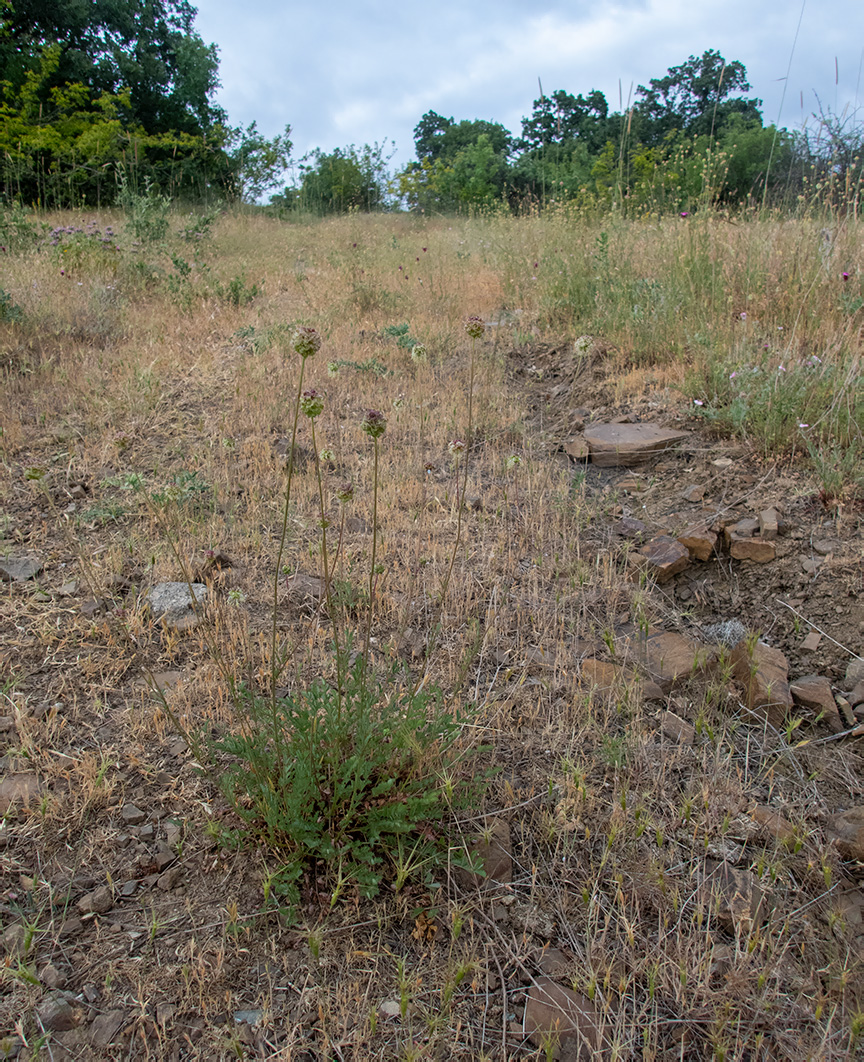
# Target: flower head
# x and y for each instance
(456, 447)
(326, 455)
(698, 402)
(513, 461)
(345, 493)
(307, 341)
(845, 276)
(311, 403)
(475, 327)
(374, 423)
(419, 352)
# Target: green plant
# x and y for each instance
(9, 311)
(237, 292)
(340, 778)
(146, 213)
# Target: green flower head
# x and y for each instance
(475, 327)
(306, 342)
(374, 423)
(311, 403)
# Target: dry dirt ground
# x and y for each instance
(664, 875)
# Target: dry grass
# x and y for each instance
(611, 824)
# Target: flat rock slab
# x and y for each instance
(735, 897)
(669, 658)
(565, 1020)
(18, 789)
(814, 692)
(765, 677)
(173, 603)
(629, 444)
(494, 852)
(663, 558)
(846, 831)
(19, 569)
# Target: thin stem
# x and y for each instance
(275, 670)
(327, 577)
(372, 564)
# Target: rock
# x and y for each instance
(391, 1009)
(811, 642)
(676, 729)
(629, 444)
(811, 565)
(495, 856)
(769, 524)
(854, 671)
(132, 815)
(856, 697)
(745, 528)
(603, 675)
(18, 789)
(765, 677)
(67, 589)
(663, 558)
(208, 561)
(577, 448)
(846, 832)
(699, 541)
(844, 710)
(10, 1046)
(554, 963)
(823, 548)
(97, 902)
(735, 896)
(752, 549)
(15, 940)
(773, 824)
(175, 605)
(566, 1020)
(106, 1028)
(814, 692)
(694, 493)
(56, 1015)
(669, 658)
(164, 680)
(629, 528)
(305, 590)
(92, 607)
(170, 879)
(52, 977)
(19, 569)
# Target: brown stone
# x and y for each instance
(752, 549)
(106, 1028)
(18, 789)
(765, 677)
(814, 692)
(768, 524)
(676, 729)
(56, 1015)
(699, 541)
(629, 527)
(745, 528)
(694, 493)
(494, 853)
(304, 589)
(811, 642)
(846, 831)
(577, 448)
(663, 558)
(735, 896)
(773, 824)
(669, 658)
(600, 673)
(856, 697)
(629, 444)
(565, 1020)
(97, 902)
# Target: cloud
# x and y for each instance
(356, 73)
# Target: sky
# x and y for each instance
(363, 71)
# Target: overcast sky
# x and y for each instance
(358, 71)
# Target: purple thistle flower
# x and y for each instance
(374, 423)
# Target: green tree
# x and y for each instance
(695, 97)
(258, 163)
(148, 47)
(346, 179)
(565, 119)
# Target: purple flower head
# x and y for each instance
(374, 423)
(684, 214)
(475, 327)
(845, 276)
(456, 447)
(345, 493)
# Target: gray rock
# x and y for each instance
(97, 902)
(855, 671)
(19, 569)
(174, 604)
(56, 1015)
(106, 1028)
(132, 815)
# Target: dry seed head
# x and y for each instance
(456, 447)
(345, 493)
(419, 352)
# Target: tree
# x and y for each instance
(695, 97)
(148, 47)
(258, 163)
(562, 117)
(436, 137)
(346, 179)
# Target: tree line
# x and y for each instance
(100, 96)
